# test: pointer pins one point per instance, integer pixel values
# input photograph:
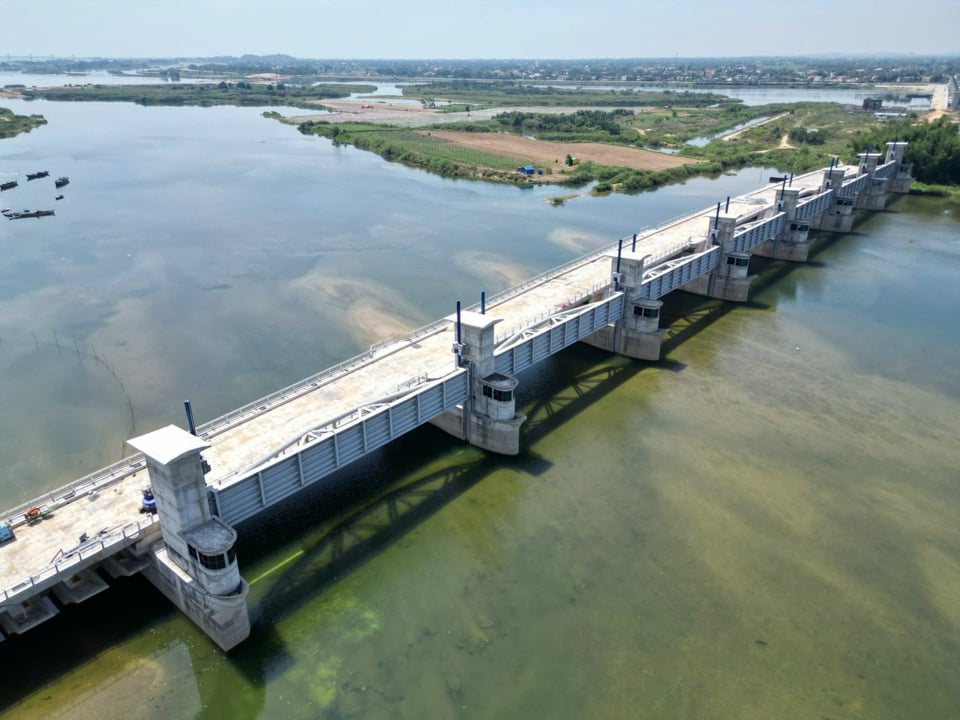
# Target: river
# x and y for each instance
(762, 524)
(749, 96)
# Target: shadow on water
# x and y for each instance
(363, 511)
(346, 543)
(378, 512)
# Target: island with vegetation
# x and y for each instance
(240, 92)
(627, 140)
(580, 124)
(12, 124)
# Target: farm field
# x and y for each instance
(552, 154)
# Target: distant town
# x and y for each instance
(705, 71)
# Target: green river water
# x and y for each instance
(762, 525)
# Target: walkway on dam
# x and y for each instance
(105, 507)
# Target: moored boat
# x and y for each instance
(8, 185)
(38, 175)
(28, 214)
(61, 181)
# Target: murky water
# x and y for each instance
(761, 525)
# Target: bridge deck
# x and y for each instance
(390, 368)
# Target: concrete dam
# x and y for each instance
(458, 373)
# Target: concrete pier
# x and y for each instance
(488, 417)
(459, 374)
(730, 279)
(839, 217)
(195, 566)
(900, 182)
(793, 242)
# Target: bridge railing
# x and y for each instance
(88, 484)
(225, 422)
(122, 468)
(102, 545)
(512, 292)
(541, 316)
(886, 170)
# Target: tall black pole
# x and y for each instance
(483, 302)
(190, 423)
(616, 281)
(458, 322)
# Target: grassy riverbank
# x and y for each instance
(12, 124)
(205, 95)
(945, 191)
(418, 149)
(479, 94)
(792, 137)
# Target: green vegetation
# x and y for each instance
(11, 124)
(793, 138)
(945, 191)
(802, 137)
(418, 149)
(204, 95)
(477, 94)
(628, 180)
(584, 125)
(934, 148)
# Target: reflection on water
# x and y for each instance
(705, 139)
(211, 254)
(769, 95)
(761, 525)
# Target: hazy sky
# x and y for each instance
(470, 29)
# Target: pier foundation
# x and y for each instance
(195, 566)
(730, 279)
(637, 333)
(839, 216)
(793, 242)
(874, 195)
(488, 419)
(900, 182)
(19, 617)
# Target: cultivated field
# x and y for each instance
(552, 154)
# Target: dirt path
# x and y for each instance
(738, 133)
(413, 114)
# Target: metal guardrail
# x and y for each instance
(120, 469)
(540, 317)
(91, 483)
(886, 170)
(110, 542)
(814, 206)
(510, 293)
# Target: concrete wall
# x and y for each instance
(223, 618)
(498, 436)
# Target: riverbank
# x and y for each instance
(767, 477)
(12, 124)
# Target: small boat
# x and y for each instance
(37, 175)
(61, 181)
(59, 197)
(8, 185)
(28, 214)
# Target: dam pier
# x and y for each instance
(458, 373)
